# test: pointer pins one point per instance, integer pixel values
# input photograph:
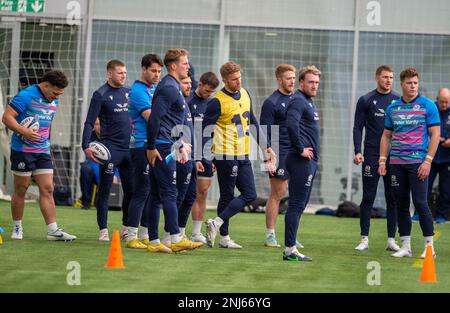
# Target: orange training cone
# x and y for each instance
(115, 252)
(428, 274)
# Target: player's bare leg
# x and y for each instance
(278, 189)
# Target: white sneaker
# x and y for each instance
(167, 242)
(228, 243)
(363, 245)
(211, 232)
(59, 234)
(104, 235)
(422, 256)
(392, 246)
(402, 253)
(198, 238)
(17, 233)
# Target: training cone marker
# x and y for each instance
(115, 259)
(428, 274)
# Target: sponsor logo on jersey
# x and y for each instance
(121, 107)
(380, 113)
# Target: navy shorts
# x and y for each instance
(208, 173)
(281, 172)
(27, 164)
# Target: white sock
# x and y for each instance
(196, 227)
(166, 236)
(131, 233)
(17, 223)
(183, 231)
(391, 240)
(428, 240)
(218, 221)
(176, 238)
(225, 238)
(270, 231)
(365, 238)
(406, 242)
(142, 232)
(289, 250)
(52, 227)
(155, 242)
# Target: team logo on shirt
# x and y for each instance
(111, 97)
(316, 116)
(374, 102)
(416, 107)
(283, 104)
(310, 104)
(308, 183)
(394, 182)
(367, 172)
(195, 107)
(234, 171)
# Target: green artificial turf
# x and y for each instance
(37, 265)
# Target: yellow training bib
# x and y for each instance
(231, 132)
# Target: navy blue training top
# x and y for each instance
(110, 105)
(302, 121)
(273, 112)
(168, 111)
(370, 114)
(443, 154)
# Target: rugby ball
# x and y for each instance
(29, 122)
(100, 152)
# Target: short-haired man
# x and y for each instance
(273, 112)
(168, 113)
(30, 150)
(231, 113)
(140, 108)
(110, 104)
(302, 121)
(412, 132)
(186, 173)
(441, 162)
(370, 114)
(205, 169)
